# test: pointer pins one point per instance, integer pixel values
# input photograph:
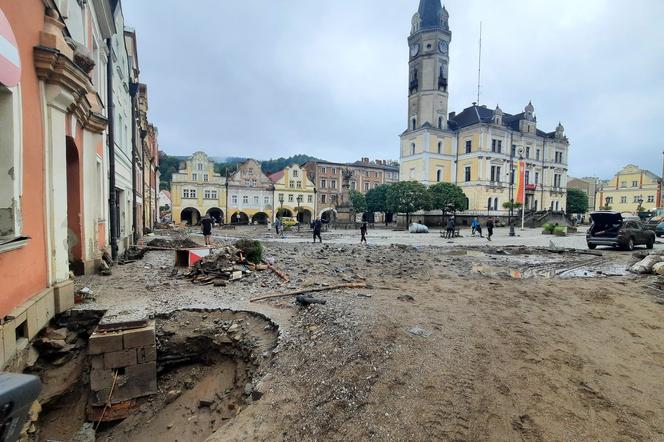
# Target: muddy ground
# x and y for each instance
(446, 344)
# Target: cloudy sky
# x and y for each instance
(274, 78)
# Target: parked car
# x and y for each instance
(653, 222)
(610, 229)
(289, 221)
(659, 230)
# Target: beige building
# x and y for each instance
(630, 189)
(294, 193)
(477, 148)
(250, 194)
(589, 185)
(197, 190)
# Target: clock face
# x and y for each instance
(414, 50)
(443, 47)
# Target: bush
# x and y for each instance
(559, 231)
(572, 229)
(251, 249)
(547, 229)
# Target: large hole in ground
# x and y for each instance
(206, 364)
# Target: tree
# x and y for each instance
(447, 197)
(377, 199)
(358, 201)
(511, 205)
(407, 197)
(577, 201)
(167, 167)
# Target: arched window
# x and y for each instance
(412, 148)
(440, 147)
(439, 175)
(440, 122)
(495, 203)
(414, 124)
(488, 204)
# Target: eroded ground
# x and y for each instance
(446, 344)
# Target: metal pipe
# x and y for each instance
(134, 209)
(112, 202)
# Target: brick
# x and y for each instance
(104, 343)
(120, 359)
(138, 381)
(96, 362)
(146, 354)
(140, 337)
(101, 379)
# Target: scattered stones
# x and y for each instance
(419, 331)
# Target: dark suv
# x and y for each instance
(610, 229)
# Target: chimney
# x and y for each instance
(452, 115)
(365, 160)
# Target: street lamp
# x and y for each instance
(281, 210)
(299, 215)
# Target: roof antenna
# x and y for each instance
(479, 67)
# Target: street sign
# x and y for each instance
(10, 62)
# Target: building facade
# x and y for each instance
(629, 190)
(294, 193)
(197, 190)
(589, 185)
(477, 148)
(250, 195)
(327, 178)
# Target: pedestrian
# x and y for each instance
(450, 228)
(489, 228)
(474, 225)
(317, 227)
(206, 225)
(363, 232)
(277, 226)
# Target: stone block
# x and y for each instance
(2, 347)
(9, 341)
(101, 379)
(120, 359)
(104, 342)
(140, 337)
(96, 362)
(137, 381)
(63, 293)
(146, 354)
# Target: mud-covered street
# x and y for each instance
(443, 343)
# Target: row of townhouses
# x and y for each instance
(77, 152)
(248, 195)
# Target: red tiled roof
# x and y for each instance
(276, 176)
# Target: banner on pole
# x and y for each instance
(520, 181)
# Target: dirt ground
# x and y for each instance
(461, 344)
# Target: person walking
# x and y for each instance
(317, 227)
(206, 226)
(363, 232)
(474, 225)
(277, 225)
(450, 228)
(489, 229)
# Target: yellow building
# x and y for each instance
(630, 189)
(196, 191)
(250, 194)
(477, 148)
(294, 190)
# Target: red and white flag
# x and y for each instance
(10, 61)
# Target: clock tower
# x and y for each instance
(428, 44)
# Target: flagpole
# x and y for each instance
(523, 215)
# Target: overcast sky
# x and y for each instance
(266, 79)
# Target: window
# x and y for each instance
(635, 184)
(467, 173)
(366, 187)
(291, 184)
(469, 146)
(266, 200)
(440, 148)
(412, 148)
(536, 177)
(323, 184)
(623, 199)
(636, 198)
(527, 177)
(333, 184)
(250, 171)
(334, 171)
(513, 153)
(496, 146)
(281, 197)
(609, 200)
(512, 176)
(353, 185)
(333, 198)
(558, 157)
(310, 199)
(205, 177)
(623, 184)
(323, 170)
(295, 173)
(290, 198)
(256, 200)
(206, 194)
(200, 166)
(537, 154)
(194, 177)
(413, 123)
(10, 160)
(495, 174)
(556, 180)
(527, 151)
(366, 173)
(439, 175)
(213, 195)
(245, 199)
(234, 199)
(651, 198)
(253, 182)
(247, 183)
(299, 184)
(322, 198)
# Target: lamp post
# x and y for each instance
(315, 203)
(299, 215)
(639, 208)
(511, 193)
(281, 210)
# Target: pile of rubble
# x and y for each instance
(227, 264)
(651, 263)
(175, 243)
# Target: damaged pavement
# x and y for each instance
(336, 342)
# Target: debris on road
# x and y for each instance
(351, 285)
(307, 300)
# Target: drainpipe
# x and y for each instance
(133, 87)
(111, 152)
(143, 135)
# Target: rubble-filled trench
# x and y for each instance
(207, 363)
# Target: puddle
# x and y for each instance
(547, 272)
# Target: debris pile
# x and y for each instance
(651, 263)
(176, 243)
(228, 263)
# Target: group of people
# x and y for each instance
(316, 226)
(476, 227)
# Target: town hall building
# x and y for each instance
(477, 148)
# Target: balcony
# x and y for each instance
(531, 187)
